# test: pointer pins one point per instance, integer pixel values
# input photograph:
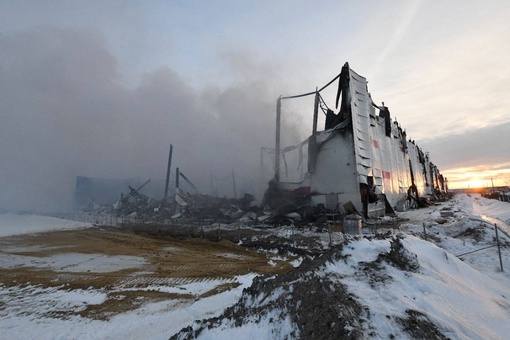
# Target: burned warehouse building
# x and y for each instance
(361, 162)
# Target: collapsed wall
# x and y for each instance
(362, 160)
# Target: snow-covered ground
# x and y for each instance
(466, 297)
(461, 301)
(31, 317)
(443, 297)
(36, 312)
(470, 228)
(12, 224)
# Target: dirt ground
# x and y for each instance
(169, 261)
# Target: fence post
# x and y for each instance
(293, 239)
(329, 232)
(424, 232)
(499, 249)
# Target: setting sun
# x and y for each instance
(477, 183)
(482, 176)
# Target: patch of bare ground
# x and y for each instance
(418, 326)
(168, 261)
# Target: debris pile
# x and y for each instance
(331, 296)
(279, 209)
(300, 304)
(134, 203)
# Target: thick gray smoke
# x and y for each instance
(65, 112)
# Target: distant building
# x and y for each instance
(90, 190)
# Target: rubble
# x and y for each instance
(361, 164)
(134, 203)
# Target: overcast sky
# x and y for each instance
(101, 88)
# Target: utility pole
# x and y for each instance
(177, 175)
(315, 112)
(277, 140)
(168, 173)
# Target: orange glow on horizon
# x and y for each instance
(478, 177)
(477, 183)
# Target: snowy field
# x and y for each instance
(466, 297)
(12, 224)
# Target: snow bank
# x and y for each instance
(459, 300)
(487, 207)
